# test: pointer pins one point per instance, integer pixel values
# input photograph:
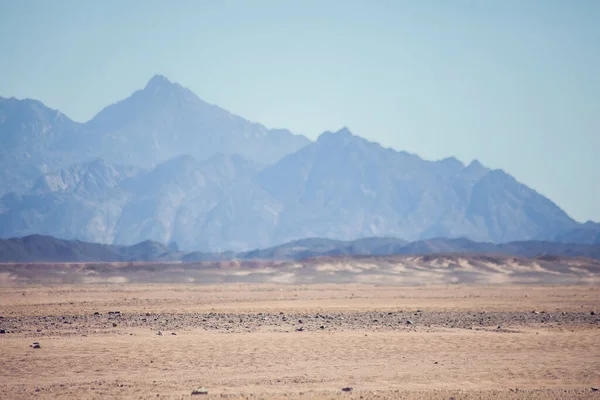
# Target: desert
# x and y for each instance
(299, 199)
(242, 339)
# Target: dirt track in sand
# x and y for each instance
(530, 342)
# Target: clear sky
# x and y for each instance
(512, 83)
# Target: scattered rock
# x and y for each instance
(36, 345)
(593, 313)
(173, 333)
(200, 391)
(347, 389)
(114, 325)
(322, 327)
(409, 322)
(159, 333)
(3, 331)
(595, 389)
(96, 313)
(300, 321)
(300, 329)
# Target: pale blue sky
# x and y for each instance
(513, 83)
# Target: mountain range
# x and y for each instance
(47, 249)
(164, 165)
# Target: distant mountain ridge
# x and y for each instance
(163, 165)
(38, 248)
(165, 120)
(162, 121)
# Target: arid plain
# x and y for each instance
(293, 340)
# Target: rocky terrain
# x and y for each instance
(254, 341)
(393, 321)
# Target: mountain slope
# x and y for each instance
(344, 187)
(35, 139)
(165, 120)
(164, 165)
(205, 205)
(588, 233)
(155, 124)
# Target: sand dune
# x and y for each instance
(406, 270)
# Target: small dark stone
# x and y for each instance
(593, 313)
(36, 345)
(200, 391)
(299, 321)
(3, 331)
(322, 327)
(347, 389)
(595, 389)
(300, 329)
(409, 322)
(114, 325)
(173, 333)
(96, 313)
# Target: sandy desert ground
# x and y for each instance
(299, 341)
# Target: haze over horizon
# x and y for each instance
(511, 84)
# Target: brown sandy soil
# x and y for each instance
(300, 341)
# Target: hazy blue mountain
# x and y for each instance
(588, 233)
(204, 205)
(341, 187)
(345, 187)
(165, 120)
(82, 201)
(155, 124)
(164, 165)
(34, 140)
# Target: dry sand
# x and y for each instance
(246, 340)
